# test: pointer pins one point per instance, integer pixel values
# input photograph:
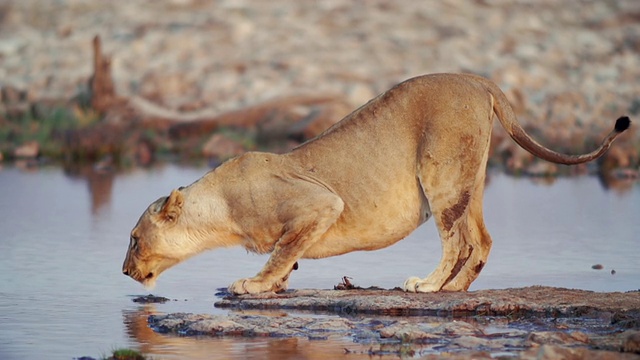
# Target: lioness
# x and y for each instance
(416, 151)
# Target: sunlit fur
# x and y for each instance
(417, 151)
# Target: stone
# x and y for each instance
(406, 332)
(553, 352)
(471, 342)
(11, 95)
(28, 150)
(631, 341)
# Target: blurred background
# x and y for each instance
(199, 79)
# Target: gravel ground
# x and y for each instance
(574, 62)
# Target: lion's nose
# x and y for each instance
(125, 271)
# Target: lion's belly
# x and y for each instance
(379, 224)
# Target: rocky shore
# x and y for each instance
(211, 79)
(523, 323)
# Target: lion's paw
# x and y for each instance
(252, 286)
(281, 285)
(249, 286)
(410, 284)
(418, 285)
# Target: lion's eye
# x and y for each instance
(134, 243)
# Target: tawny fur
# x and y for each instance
(417, 151)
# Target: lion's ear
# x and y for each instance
(172, 207)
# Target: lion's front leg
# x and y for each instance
(310, 216)
(255, 286)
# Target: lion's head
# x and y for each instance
(154, 244)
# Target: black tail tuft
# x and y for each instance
(622, 123)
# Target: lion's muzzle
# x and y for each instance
(147, 279)
(130, 269)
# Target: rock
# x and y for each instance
(472, 342)
(405, 332)
(517, 158)
(147, 299)
(28, 150)
(248, 325)
(553, 337)
(631, 341)
(11, 95)
(542, 168)
(566, 322)
(570, 324)
(458, 328)
(553, 352)
(529, 301)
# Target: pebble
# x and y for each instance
(148, 299)
(631, 341)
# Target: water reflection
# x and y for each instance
(99, 181)
(204, 347)
(621, 182)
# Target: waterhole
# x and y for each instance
(63, 237)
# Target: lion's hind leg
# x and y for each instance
(453, 183)
(465, 244)
(478, 240)
(450, 214)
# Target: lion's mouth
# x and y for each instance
(149, 281)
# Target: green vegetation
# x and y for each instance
(46, 126)
(126, 354)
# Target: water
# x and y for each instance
(63, 237)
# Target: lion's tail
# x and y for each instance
(508, 119)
